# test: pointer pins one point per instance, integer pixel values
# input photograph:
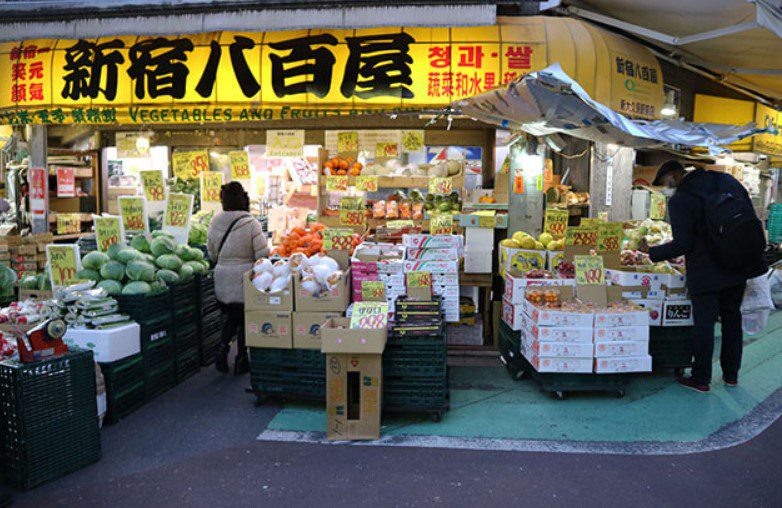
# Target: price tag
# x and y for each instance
(336, 183)
(609, 236)
(240, 165)
(178, 209)
(657, 206)
(66, 182)
(347, 141)
(337, 239)
(211, 181)
(418, 279)
(352, 203)
(39, 184)
(412, 141)
(356, 218)
(556, 222)
(440, 185)
(68, 223)
(589, 222)
(64, 261)
(373, 315)
(386, 150)
(188, 165)
(441, 224)
(603, 216)
(286, 143)
(400, 224)
(107, 231)
(581, 236)
(133, 214)
(373, 291)
(589, 270)
(366, 183)
(152, 182)
(486, 219)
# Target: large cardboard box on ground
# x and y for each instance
(269, 302)
(335, 300)
(306, 328)
(268, 329)
(354, 374)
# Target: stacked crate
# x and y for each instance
(775, 223)
(299, 373)
(415, 376)
(185, 321)
(210, 321)
(153, 313)
(48, 418)
(27, 254)
(125, 386)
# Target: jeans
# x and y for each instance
(233, 324)
(707, 307)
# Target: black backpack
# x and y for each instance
(736, 236)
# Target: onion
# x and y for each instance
(296, 261)
(321, 273)
(310, 286)
(281, 269)
(262, 265)
(279, 284)
(262, 281)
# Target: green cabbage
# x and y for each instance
(128, 255)
(206, 264)
(186, 272)
(196, 254)
(168, 276)
(113, 270)
(182, 252)
(7, 280)
(94, 260)
(169, 261)
(136, 288)
(197, 234)
(140, 243)
(29, 282)
(149, 258)
(42, 281)
(87, 274)
(115, 249)
(160, 232)
(112, 287)
(140, 270)
(196, 266)
(162, 245)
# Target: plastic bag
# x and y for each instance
(757, 296)
(754, 321)
(775, 283)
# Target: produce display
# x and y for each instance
(522, 240)
(301, 240)
(199, 226)
(340, 165)
(144, 266)
(549, 298)
(187, 186)
(7, 280)
(40, 282)
(318, 273)
(654, 232)
(393, 167)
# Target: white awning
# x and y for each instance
(738, 39)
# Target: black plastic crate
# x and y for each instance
(186, 339)
(121, 403)
(671, 347)
(146, 308)
(156, 330)
(48, 418)
(123, 374)
(160, 380)
(294, 358)
(183, 294)
(185, 315)
(289, 381)
(188, 363)
(210, 345)
(159, 354)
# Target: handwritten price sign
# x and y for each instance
(657, 206)
(581, 236)
(131, 210)
(441, 224)
(178, 210)
(347, 141)
(399, 224)
(337, 239)
(336, 183)
(373, 291)
(152, 182)
(440, 185)
(240, 165)
(68, 223)
(590, 222)
(366, 183)
(419, 279)
(66, 182)
(556, 222)
(107, 231)
(64, 263)
(188, 165)
(609, 236)
(589, 270)
(211, 181)
(352, 218)
(372, 315)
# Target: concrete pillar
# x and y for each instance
(525, 211)
(36, 139)
(611, 181)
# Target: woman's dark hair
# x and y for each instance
(234, 198)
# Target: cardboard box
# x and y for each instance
(553, 257)
(516, 285)
(433, 241)
(552, 317)
(478, 237)
(337, 337)
(306, 328)
(653, 281)
(561, 365)
(619, 365)
(335, 300)
(621, 349)
(624, 333)
(559, 333)
(556, 349)
(257, 300)
(513, 315)
(432, 254)
(655, 308)
(268, 329)
(431, 266)
(616, 319)
(521, 259)
(677, 312)
(478, 260)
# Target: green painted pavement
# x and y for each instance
(487, 403)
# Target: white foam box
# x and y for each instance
(621, 348)
(433, 241)
(622, 333)
(561, 365)
(431, 266)
(556, 349)
(627, 364)
(653, 281)
(677, 312)
(476, 237)
(108, 345)
(617, 319)
(654, 306)
(676, 281)
(558, 333)
(553, 317)
(516, 285)
(449, 254)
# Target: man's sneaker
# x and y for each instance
(690, 383)
(732, 383)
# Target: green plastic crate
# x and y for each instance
(183, 294)
(156, 330)
(188, 363)
(160, 380)
(122, 403)
(146, 308)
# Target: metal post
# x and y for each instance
(611, 181)
(525, 210)
(36, 140)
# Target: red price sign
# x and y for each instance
(589, 270)
(581, 236)
(352, 218)
(66, 182)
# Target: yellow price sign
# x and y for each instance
(131, 210)
(211, 181)
(590, 222)
(188, 165)
(581, 236)
(337, 183)
(400, 224)
(657, 206)
(369, 315)
(285, 143)
(418, 279)
(486, 219)
(152, 183)
(240, 165)
(556, 222)
(347, 141)
(386, 150)
(440, 185)
(441, 224)
(353, 218)
(373, 291)
(178, 209)
(107, 232)
(64, 263)
(609, 236)
(68, 223)
(337, 238)
(367, 183)
(589, 270)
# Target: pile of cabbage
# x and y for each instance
(144, 266)
(318, 274)
(7, 280)
(40, 282)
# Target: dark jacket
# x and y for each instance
(690, 235)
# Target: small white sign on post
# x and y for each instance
(179, 208)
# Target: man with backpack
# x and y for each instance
(716, 229)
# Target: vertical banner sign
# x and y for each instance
(211, 181)
(287, 143)
(373, 315)
(64, 261)
(152, 183)
(555, 222)
(609, 236)
(133, 214)
(177, 219)
(188, 165)
(589, 270)
(68, 223)
(66, 182)
(657, 206)
(38, 190)
(240, 165)
(347, 141)
(441, 224)
(107, 231)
